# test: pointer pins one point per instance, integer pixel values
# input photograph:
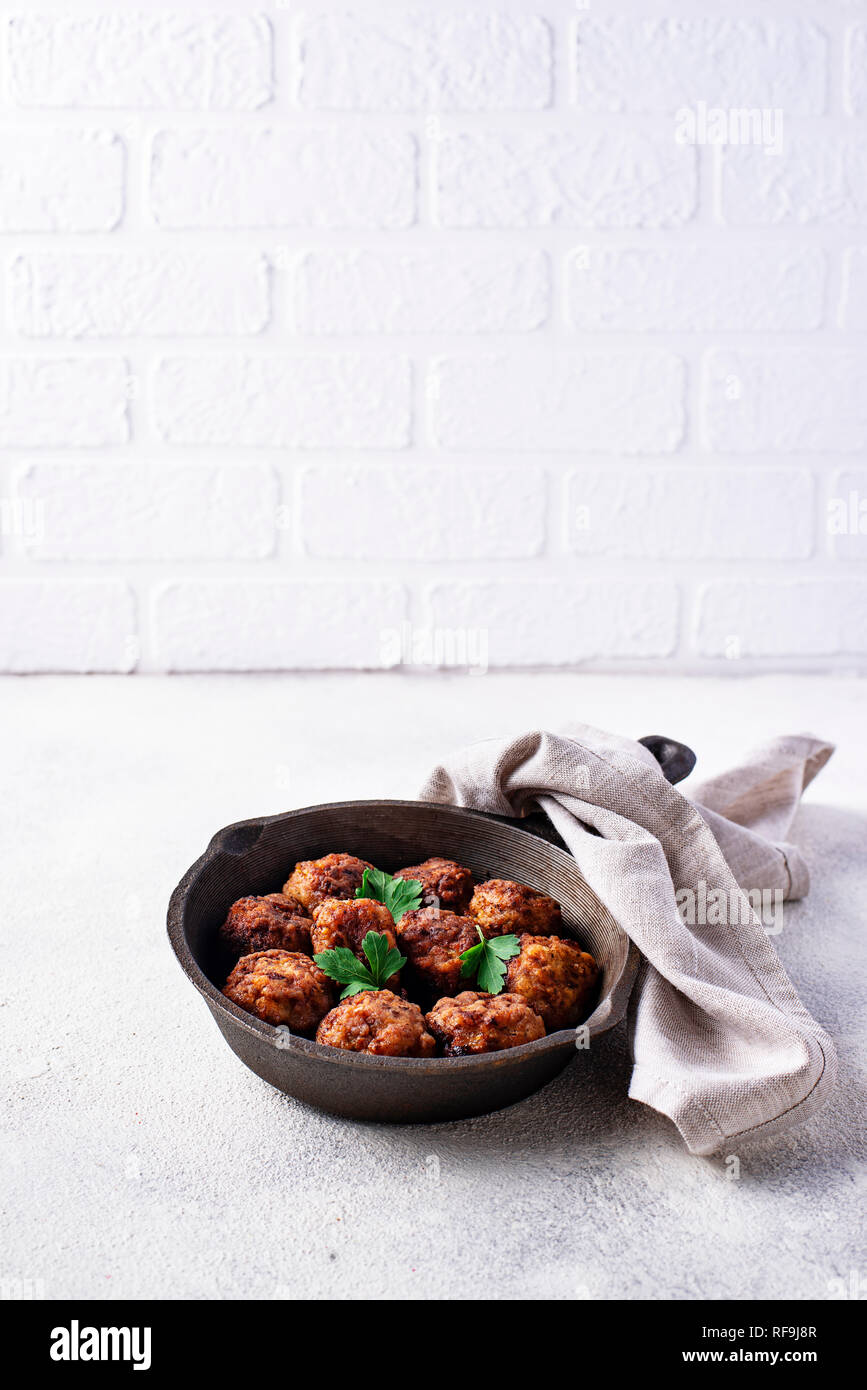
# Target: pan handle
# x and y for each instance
(675, 759)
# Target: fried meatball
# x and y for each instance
(377, 1021)
(500, 907)
(335, 876)
(281, 987)
(337, 922)
(432, 942)
(450, 883)
(474, 1022)
(555, 977)
(272, 923)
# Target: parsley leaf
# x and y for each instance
(385, 960)
(487, 961)
(357, 987)
(345, 967)
(471, 960)
(400, 895)
(342, 965)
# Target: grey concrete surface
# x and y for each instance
(141, 1159)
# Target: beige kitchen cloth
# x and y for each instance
(721, 1042)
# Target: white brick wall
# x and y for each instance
(540, 621)
(279, 176)
(322, 401)
(431, 513)
(698, 288)
(430, 291)
(351, 335)
(105, 294)
(741, 514)
(174, 59)
(67, 625)
(605, 178)
(59, 180)
(406, 59)
(819, 179)
(785, 400)
(77, 402)
(250, 624)
(191, 511)
(622, 62)
(593, 403)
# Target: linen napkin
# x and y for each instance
(721, 1042)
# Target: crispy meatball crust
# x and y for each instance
(272, 923)
(337, 922)
(444, 880)
(474, 1022)
(500, 907)
(281, 987)
(377, 1021)
(432, 942)
(555, 977)
(335, 876)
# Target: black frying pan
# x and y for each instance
(256, 856)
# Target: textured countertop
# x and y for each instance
(141, 1159)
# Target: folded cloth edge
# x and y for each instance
(507, 774)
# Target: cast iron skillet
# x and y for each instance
(256, 856)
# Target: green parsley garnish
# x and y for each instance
(345, 967)
(400, 895)
(487, 961)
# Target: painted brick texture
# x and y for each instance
(335, 334)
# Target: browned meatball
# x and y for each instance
(474, 1022)
(450, 883)
(502, 907)
(272, 923)
(340, 923)
(335, 876)
(556, 978)
(377, 1021)
(432, 942)
(281, 987)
